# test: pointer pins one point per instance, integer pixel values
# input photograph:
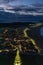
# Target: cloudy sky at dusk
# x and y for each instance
(7, 7)
(21, 2)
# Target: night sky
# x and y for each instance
(21, 2)
(24, 2)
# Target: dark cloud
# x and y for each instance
(6, 1)
(25, 2)
(22, 1)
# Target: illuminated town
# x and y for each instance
(19, 40)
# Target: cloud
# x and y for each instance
(20, 2)
(5, 1)
(11, 3)
(24, 2)
(5, 6)
(22, 12)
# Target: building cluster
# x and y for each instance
(12, 39)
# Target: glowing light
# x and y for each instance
(6, 39)
(25, 32)
(17, 59)
(0, 51)
(32, 40)
(5, 31)
(35, 45)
